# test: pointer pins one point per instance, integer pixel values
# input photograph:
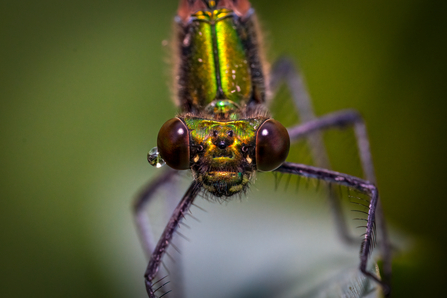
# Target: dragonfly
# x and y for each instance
(225, 132)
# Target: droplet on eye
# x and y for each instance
(154, 158)
(173, 144)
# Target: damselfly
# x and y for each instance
(224, 133)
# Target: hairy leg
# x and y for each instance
(166, 238)
(140, 205)
(310, 129)
(361, 185)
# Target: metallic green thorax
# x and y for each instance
(218, 60)
(218, 66)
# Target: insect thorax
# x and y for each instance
(218, 58)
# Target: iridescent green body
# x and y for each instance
(221, 93)
(219, 60)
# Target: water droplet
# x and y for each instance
(154, 158)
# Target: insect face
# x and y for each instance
(223, 153)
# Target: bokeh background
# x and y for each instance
(84, 88)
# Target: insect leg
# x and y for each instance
(340, 119)
(284, 71)
(359, 184)
(139, 209)
(166, 237)
(343, 119)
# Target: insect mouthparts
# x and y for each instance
(223, 154)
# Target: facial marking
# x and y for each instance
(222, 166)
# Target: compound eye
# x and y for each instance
(272, 145)
(173, 144)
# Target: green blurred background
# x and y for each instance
(84, 88)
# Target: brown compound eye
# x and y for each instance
(272, 145)
(173, 144)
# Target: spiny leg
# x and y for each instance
(174, 193)
(361, 185)
(166, 237)
(343, 119)
(169, 178)
(139, 209)
(284, 70)
(340, 119)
